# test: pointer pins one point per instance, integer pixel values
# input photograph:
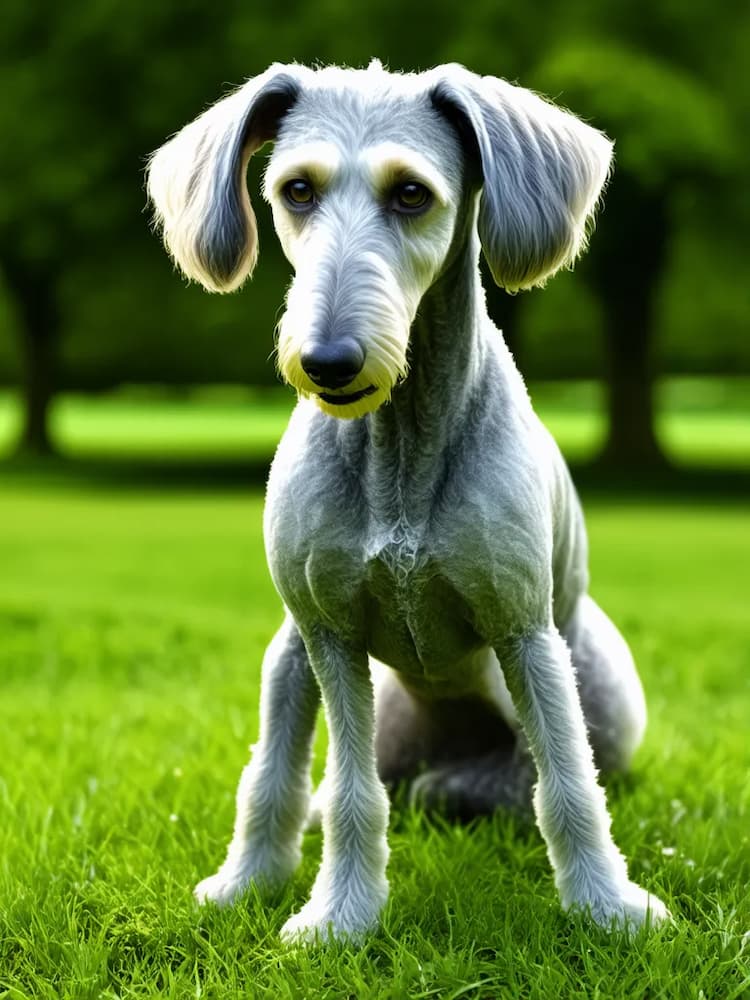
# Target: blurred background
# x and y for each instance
(639, 360)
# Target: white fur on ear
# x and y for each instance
(543, 171)
(196, 181)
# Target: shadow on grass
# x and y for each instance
(670, 481)
(241, 473)
(159, 473)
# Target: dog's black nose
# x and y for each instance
(332, 365)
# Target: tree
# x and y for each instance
(76, 122)
(91, 89)
(672, 133)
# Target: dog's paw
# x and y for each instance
(629, 908)
(318, 925)
(348, 917)
(233, 878)
(222, 888)
(474, 788)
(436, 790)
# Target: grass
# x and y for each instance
(132, 626)
(704, 420)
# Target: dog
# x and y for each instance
(421, 526)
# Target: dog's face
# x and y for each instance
(364, 195)
(367, 182)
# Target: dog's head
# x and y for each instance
(372, 180)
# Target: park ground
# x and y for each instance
(134, 611)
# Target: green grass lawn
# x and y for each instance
(704, 421)
(132, 626)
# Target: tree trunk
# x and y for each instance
(626, 269)
(35, 300)
(631, 439)
(38, 391)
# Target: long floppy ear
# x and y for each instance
(197, 185)
(543, 171)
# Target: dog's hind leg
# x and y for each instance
(460, 755)
(405, 728)
(462, 782)
(608, 685)
(477, 786)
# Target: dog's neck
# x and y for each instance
(409, 442)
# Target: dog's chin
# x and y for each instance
(349, 406)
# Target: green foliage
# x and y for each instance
(93, 88)
(132, 627)
(668, 123)
(82, 94)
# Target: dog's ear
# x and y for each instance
(542, 171)
(197, 184)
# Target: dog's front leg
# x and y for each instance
(351, 886)
(274, 789)
(570, 805)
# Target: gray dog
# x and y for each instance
(429, 547)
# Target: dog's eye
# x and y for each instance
(411, 197)
(299, 194)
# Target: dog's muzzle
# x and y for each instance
(333, 365)
(344, 400)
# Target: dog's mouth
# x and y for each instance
(351, 397)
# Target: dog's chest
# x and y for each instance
(417, 622)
